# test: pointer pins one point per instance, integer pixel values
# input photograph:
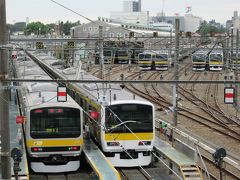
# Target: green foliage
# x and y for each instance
(42, 29)
(68, 25)
(19, 26)
(209, 29)
(36, 28)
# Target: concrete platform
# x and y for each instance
(100, 164)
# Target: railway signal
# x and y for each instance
(39, 45)
(71, 44)
(61, 93)
(229, 94)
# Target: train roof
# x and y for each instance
(99, 92)
(36, 94)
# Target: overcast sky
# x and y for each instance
(47, 11)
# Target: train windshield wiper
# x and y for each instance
(122, 123)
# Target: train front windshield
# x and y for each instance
(57, 122)
(122, 53)
(107, 53)
(137, 117)
(161, 57)
(216, 57)
(199, 58)
(144, 57)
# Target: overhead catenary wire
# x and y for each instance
(71, 10)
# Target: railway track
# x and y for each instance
(62, 176)
(162, 103)
(133, 174)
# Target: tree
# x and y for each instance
(210, 29)
(19, 26)
(36, 28)
(68, 25)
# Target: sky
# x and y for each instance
(48, 12)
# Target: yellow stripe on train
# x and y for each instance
(55, 142)
(128, 136)
(161, 62)
(144, 62)
(218, 63)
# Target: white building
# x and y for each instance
(191, 23)
(131, 17)
(234, 22)
(132, 6)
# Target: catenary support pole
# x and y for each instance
(175, 86)
(4, 95)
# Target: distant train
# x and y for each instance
(235, 59)
(200, 60)
(53, 130)
(216, 59)
(155, 60)
(108, 56)
(122, 56)
(120, 122)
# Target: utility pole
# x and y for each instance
(236, 72)
(4, 98)
(101, 51)
(175, 86)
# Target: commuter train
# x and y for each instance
(200, 60)
(53, 129)
(156, 60)
(120, 122)
(216, 59)
(122, 56)
(108, 56)
(235, 59)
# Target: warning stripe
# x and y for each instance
(228, 95)
(62, 94)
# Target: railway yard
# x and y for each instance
(201, 114)
(144, 114)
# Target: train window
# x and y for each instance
(55, 122)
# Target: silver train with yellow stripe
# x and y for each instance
(53, 130)
(155, 60)
(121, 123)
(216, 59)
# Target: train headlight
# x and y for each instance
(146, 143)
(113, 144)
